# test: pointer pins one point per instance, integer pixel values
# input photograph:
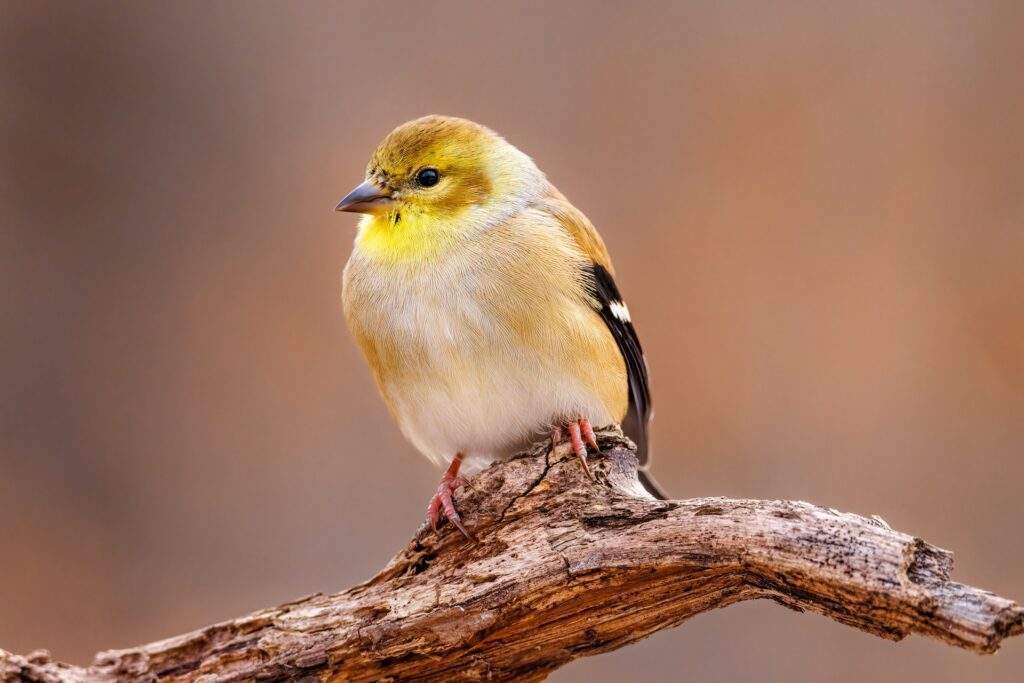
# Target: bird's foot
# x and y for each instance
(442, 504)
(581, 435)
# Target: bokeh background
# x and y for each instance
(826, 264)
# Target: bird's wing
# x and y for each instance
(615, 315)
(579, 228)
(608, 303)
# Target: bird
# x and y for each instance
(486, 306)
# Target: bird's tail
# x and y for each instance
(652, 486)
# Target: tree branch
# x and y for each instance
(566, 568)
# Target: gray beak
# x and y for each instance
(369, 197)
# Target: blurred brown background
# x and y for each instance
(826, 264)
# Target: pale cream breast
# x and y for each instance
(480, 350)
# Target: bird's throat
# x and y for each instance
(403, 237)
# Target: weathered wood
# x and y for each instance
(565, 568)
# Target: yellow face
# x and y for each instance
(421, 180)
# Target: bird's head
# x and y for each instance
(436, 176)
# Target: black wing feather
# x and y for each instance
(613, 312)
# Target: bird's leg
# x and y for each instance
(578, 446)
(581, 435)
(556, 436)
(588, 434)
(442, 501)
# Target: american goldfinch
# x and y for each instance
(485, 305)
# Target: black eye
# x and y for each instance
(428, 177)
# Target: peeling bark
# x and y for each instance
(566, 567)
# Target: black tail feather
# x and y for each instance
(652, 486)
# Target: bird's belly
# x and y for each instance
(489, 403)
(466, 368)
